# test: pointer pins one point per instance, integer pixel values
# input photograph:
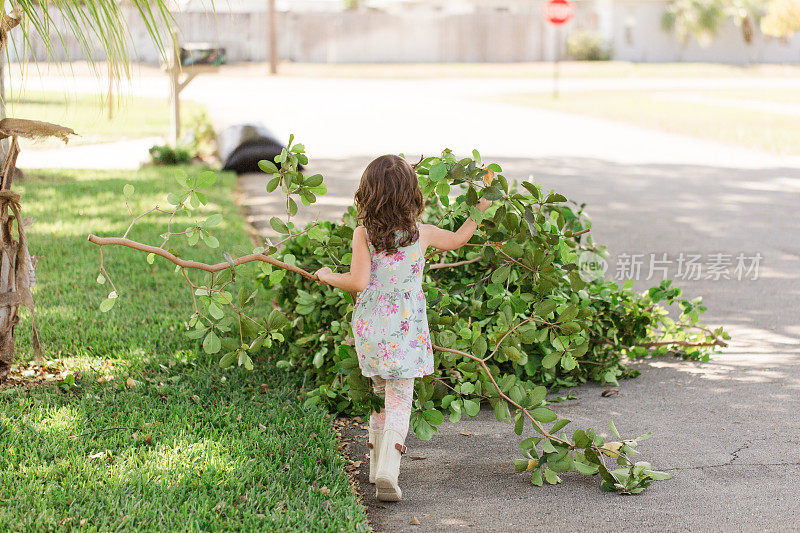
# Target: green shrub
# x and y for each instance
(168, 155)
(585, 45)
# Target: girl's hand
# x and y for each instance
(484, 204)
(321, 274)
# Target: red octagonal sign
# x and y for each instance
(558, 12)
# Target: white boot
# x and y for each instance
(374, 445)
(391, 450)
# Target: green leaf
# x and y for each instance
(501, 274)
(211, 241)
(107, 304)
(477, 157)
(658, 476)
(537, 394)
(215, 311)
(276, 275)
(551, 477)
(568, 362)
(128, 190)
(519, 424)
(174, 198)
(433, 416)
(559, 425)
(227, 360)
(423, 430)
(471, 407)
(613, 428)
(543, 414)
(211, 344)
(278, 225)
(437, 172)
(588, 469)
(206, 179)
(267, 166)
(492, 193)
(550, 360)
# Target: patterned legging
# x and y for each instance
(397, 411)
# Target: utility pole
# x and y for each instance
(273, 40)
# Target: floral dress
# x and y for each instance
(390, 321)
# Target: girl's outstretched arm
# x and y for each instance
(443, 239)
(358, 277)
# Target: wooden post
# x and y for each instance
(174, 68)
(273, 40)
(110, 91)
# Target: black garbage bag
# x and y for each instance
(242, 146)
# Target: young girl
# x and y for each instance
(390, 324)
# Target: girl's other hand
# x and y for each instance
(484, 204)
(321, 275)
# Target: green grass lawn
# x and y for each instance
(133, 117)
(771, 131)
(188, 447)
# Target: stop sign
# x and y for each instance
(558, 12)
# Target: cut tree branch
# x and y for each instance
(119, 241)
(457, 263)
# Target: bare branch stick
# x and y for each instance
(118, 241)
(457, 263)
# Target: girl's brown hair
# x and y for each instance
(389, 203)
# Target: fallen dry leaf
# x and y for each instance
(83, 521)
(97, 455)
(104, 379)
(261, 426)
(466, 433)
(417, 458)
(414, 521)
(264, 388)
(609, 392)
(325, 490)
(148, 439)
(196, 398)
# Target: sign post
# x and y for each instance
(557, 13)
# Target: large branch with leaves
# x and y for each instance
(512, 315)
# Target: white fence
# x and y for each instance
(631, 26)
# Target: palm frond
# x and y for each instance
(95, 25)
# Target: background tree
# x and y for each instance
(746, 15)
(782, 18)
(100, 22)
(700, 19)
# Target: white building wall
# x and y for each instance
(489, 34)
